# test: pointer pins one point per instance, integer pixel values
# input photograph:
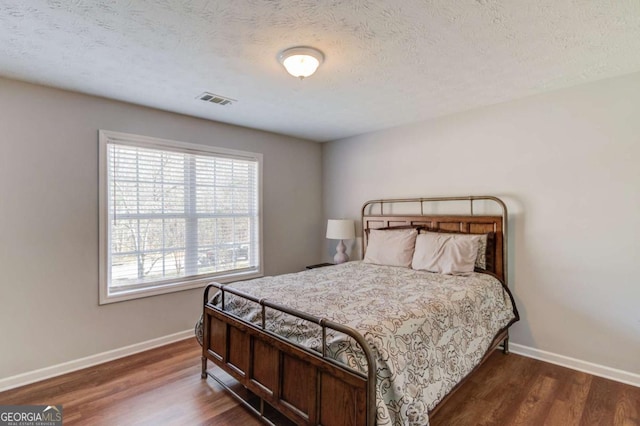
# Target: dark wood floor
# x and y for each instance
(163, 387)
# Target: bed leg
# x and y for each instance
(505, 346)
(203, 374)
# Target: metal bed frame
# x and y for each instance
(250, 353)
(324, 323)
(470, 198)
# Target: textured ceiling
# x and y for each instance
(388, 62)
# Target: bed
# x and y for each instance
(365, 342)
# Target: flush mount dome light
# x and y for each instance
(301, 61)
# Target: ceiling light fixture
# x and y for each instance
(301, 61)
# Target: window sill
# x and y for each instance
(124, 295)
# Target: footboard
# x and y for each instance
(306, 386)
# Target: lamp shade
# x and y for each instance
(341, 229)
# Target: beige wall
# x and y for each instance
(49, 310)
(568, 166)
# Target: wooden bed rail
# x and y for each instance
(256, 358)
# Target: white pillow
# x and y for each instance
(445, 253)
(391, 247)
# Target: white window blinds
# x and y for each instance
(178, 214)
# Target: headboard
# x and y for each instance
(373, 218)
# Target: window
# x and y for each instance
(175, 216)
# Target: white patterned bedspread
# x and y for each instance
(427, 330)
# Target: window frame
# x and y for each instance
(106, 137)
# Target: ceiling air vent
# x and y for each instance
(216, 99)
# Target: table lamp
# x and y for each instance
(341, 229)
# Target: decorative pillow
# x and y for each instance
(392, 247)
(446, 253)
(481, 259)
(486, 259)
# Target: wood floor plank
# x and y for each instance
(535, 407)
(601, 402)
(627, 411)
(507, 396)
(163, 387)
(571, 400)
(502, 395)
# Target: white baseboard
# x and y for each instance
(79, 364)
(577, 364)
